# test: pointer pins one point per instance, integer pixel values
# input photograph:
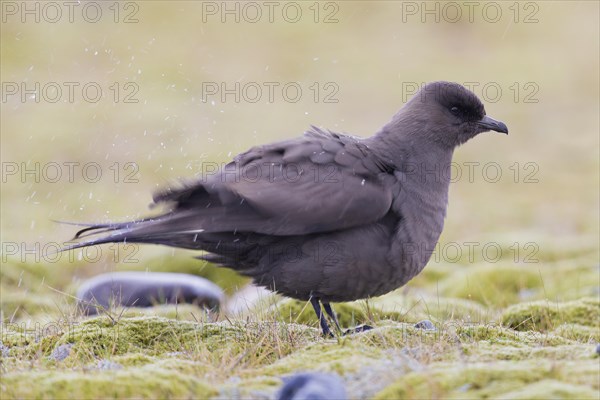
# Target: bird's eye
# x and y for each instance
(454, 110)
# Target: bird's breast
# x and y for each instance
(421, 210)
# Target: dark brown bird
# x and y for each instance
(324, 217)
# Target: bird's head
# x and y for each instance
(450, 113)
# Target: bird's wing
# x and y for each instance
(320, 182)
(317, 183)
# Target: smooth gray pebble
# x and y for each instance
(313, 386)
(61, 352)
(425, 325)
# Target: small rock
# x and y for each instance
(314, 386)
(61, 352)
(146, 289)
(4, 351)
(108, 365)
(426, 325)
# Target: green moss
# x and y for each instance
(484, 351)
(394, 335)
(552, 389)
(145, 382)
(28, 343)
(544, 315)
(341, 357)
(104, 336)
(301, 312)
(280, 336)
(262, 343)
(15, 335)
(260, 387)
(411, 308)
(390, 307)
(500, 360)
(496, 334)
(482, 380)
(580, 333)
(133, 359)
(250, 343)
(181, 363)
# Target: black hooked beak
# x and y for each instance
(490, 124)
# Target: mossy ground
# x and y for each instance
(483, 346)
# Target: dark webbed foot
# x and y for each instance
(357, 329)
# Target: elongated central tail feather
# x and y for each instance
(165, 230)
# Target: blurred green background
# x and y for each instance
(544, 57)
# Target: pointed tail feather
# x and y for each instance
(115, 233)
(166, 229)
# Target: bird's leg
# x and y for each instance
(317, 307)
(331, 314)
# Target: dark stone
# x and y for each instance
(358, 329)
(146, 289)
(61, 352)
(4, 351)
(313, 386)
(426, 325)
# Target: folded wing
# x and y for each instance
(317, 183)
